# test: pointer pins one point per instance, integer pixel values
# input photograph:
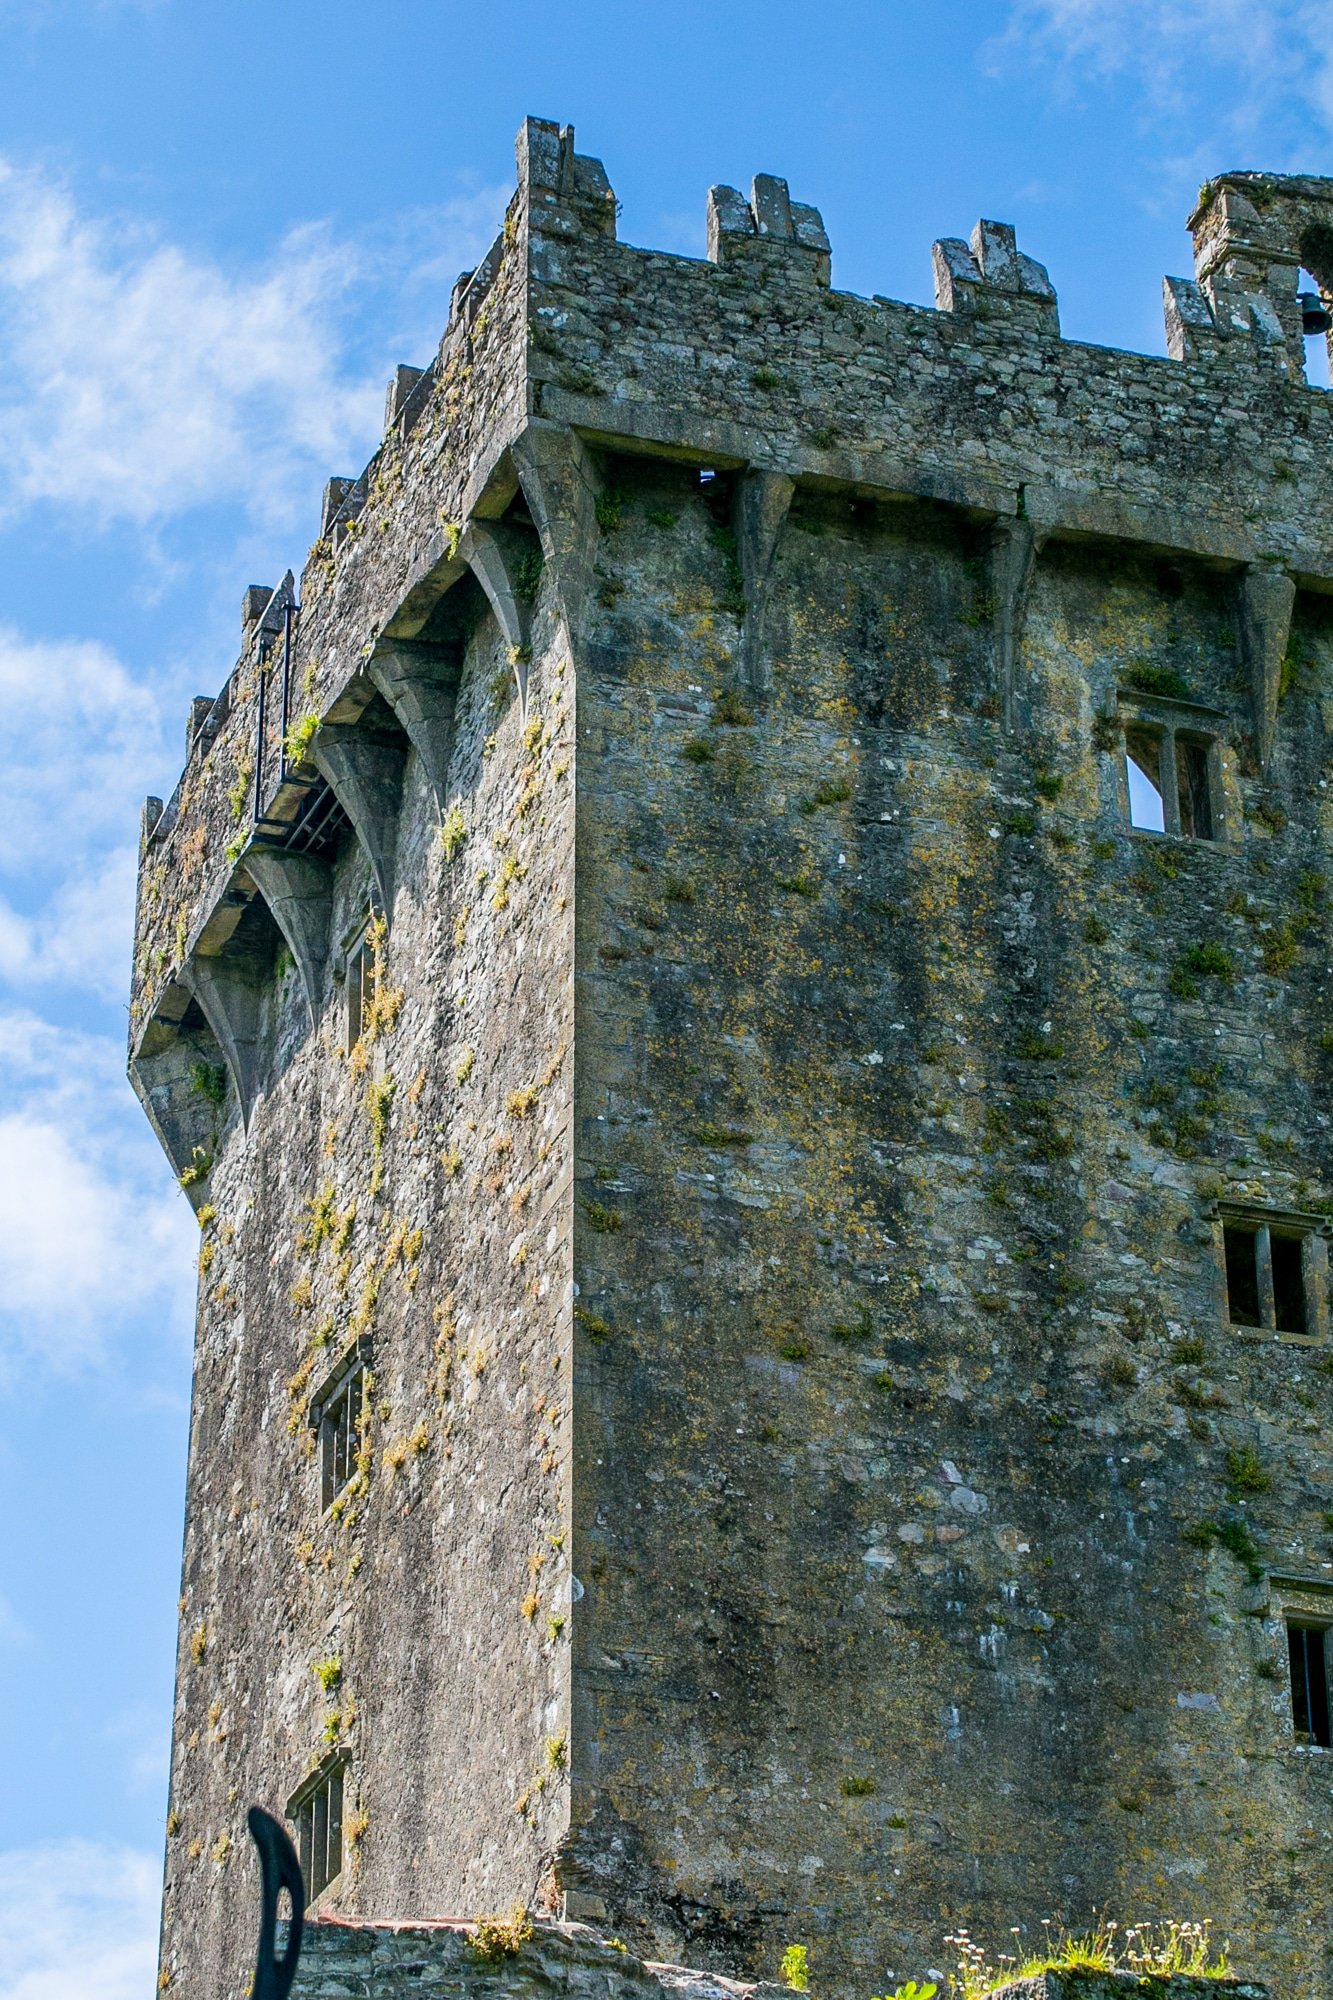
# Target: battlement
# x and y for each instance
(871, 395)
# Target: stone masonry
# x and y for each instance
(719, 1406)
(440, 1961)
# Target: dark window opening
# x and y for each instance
(1288, 1284)
(339, 1436)
(1193, 791)
(319, 1828)
(1309, 1685)
(360, 972)
(1143, 768)
(1242, 1255)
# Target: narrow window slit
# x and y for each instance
(1242, 1259)
(359, 977)
(1288, 1284)
(1193, 790)
(1309, 1685)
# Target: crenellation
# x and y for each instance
(335, 492)
(664, 958)
(401, 384)
(735, 225)
(990, 270)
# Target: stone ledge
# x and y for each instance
(387, 1961)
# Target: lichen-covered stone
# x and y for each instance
(810, 1488)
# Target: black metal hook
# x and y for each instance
(279, 1869)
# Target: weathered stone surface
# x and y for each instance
(404, 1961)
(779, 1187)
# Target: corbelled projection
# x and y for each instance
(738, 978)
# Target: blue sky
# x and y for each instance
(221, 225)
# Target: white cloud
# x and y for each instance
(1275, 56)
(90, 1234)
(142, 379)
(78, 1921)
(82, 738)
(81, 936)
(80, 735)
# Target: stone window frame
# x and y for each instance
(329, 1780)
(354, 1359)
(1294, 1599)
(1168, 717)
(1312, 1230)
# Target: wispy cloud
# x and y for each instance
(78, 1921)
(1239, 62)
(141, 379)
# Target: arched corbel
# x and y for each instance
(763, 501)
(232, 1000)
(1015, 545)
(492, 550)
(298, 889)
(365, 771)
(1267, 597)
(422, 692)
(165, 1072)
(561, 488)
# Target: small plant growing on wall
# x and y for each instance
(795, 1968)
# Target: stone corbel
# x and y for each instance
(160, 1098)
(163, 1074)
(298, 889)
(763, 500)
(422, 693)
(232, 1004)
(366, 774)
(491, 550)
(561, 488)
(1015, 545)
(1266, 600)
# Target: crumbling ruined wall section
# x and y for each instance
(809, 1485)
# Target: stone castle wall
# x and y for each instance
(812, 1489)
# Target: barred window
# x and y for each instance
(317, 1810)
(338, 1434)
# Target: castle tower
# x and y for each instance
(740, 990)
